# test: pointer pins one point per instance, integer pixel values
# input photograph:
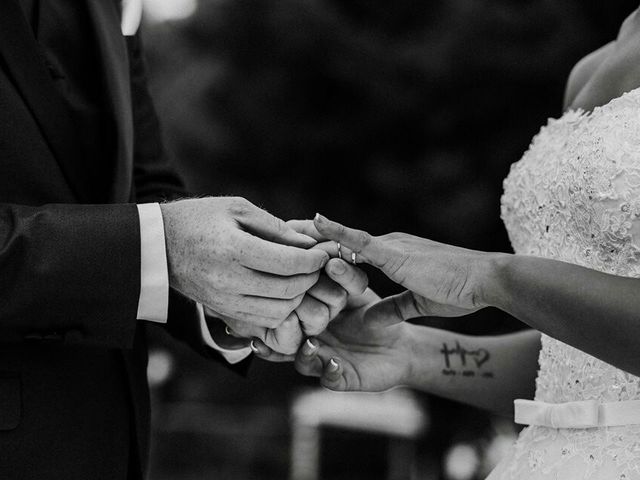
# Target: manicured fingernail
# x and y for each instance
(254, 349)
(333, 365)
(338, 267)
(319, 218)
(310, 347)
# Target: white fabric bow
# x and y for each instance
(580, 414)
(131, 16)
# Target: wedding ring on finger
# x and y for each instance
(354, 258)
(339, 250)
(227, 330)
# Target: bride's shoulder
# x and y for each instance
(608, 72)
(582, 72)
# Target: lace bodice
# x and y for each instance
(575, 197)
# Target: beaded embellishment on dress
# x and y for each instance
(575, 197)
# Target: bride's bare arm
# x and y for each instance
(485, 372)
(593, 311)
(590, 310)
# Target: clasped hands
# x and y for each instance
(278, 282)
(264, 278)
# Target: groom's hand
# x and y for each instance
(239, 260)
(322, 303)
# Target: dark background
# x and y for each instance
(387, 116)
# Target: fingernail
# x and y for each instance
(310, 347)
(308, 238)
(254, 349)
(338, 267)
(333, 365)
(319, 218)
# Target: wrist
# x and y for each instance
(417, 345)
(170, 213)
(493, 269)
(425, 358)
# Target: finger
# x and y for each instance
(262, 351)
(222, 335)
(285, 339)
(307, 227)
(369, 249)
(242, 329)
(369, 297)
(263, 312)
(261, 223)
(307, 361)
(269, 257)
(314, 315)
(392, 310)
(260, 284)
(331, 294)
(332, 377)
(349, 277)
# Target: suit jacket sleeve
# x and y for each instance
(69, 273)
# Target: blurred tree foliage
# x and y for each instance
(387, 116)
(402, 116)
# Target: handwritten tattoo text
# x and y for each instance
(466, 363)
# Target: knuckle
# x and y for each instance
(343, 298)
(293, 304)
(319, 321)
(279, 225)
(322, 258)
(283, 310)
(295, 288)
(364, 239)
(320, 313)
(336, 295)
(240, 207)
(391, 236)
(311, 279)
(272, 323)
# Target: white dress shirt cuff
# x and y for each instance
(231, 356)
(153, 304)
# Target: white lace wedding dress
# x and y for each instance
(575, 197)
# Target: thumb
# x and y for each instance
(268, 227)
(368, 249)
(392, 310)
(351, 278)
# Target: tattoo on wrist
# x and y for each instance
(466, 363)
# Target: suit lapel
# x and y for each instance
(115, 62)
(26, 67)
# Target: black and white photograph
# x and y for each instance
(319, 240)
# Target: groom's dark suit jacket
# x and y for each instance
(73, 394)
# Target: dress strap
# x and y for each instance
(578, 414)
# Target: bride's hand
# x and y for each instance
(359, 354)
(442, 280)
